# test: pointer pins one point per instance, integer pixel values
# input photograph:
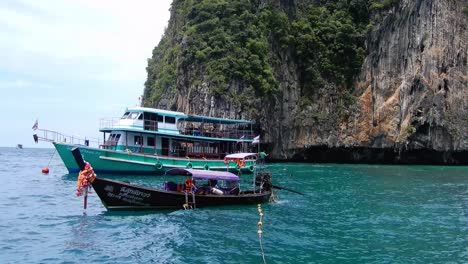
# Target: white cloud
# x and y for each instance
(117, 32)
(54, 52)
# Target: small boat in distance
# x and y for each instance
(152, 141)
(19, 146)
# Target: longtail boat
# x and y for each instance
(152, 141)
(117, 195)
(200, 188)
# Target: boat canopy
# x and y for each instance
(204, 174)
(237, 156)
(156, 111)
(189, 118)
(214, 120)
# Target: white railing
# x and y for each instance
(106, 123)
(54, 136)
(204, 130)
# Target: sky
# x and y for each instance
(70, 63)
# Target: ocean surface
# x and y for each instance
(349, 214)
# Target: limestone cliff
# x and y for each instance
(413, 86)
(405, 101)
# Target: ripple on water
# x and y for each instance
(350, 214)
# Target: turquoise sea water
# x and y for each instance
(350, 214)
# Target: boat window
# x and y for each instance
(133, 115)
(150, 141)
(125, 115)
(230, 184)
(170, 120)
(160, 118)
(140, 117)
(117, 137)
(150, 116)
(138, 140)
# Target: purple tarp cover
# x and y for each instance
(204, 174)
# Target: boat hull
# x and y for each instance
(119, 162)
(116, 195)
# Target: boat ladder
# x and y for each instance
(188, 204)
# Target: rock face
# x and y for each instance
(413, 85)
(411, 97)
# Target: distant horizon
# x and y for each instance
(52, 147)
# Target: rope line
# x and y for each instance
(51, 157)
(260, 231)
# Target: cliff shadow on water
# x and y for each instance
(364, 155)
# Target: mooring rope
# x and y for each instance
(51, 157)
(260, 232)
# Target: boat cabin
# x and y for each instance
(171, 133)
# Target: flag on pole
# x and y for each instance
(35, 126)
(256, 139)
(240, 139)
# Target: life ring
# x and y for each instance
(240, 163)
(206, 167)
(189, 165)
(159, 165)
(251, 168)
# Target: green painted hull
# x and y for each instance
(119, 162)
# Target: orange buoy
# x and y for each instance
(45, 170)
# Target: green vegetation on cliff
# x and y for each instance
(328, 45)
(221, 42)
(228, 39)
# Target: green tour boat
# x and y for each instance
(152, 141)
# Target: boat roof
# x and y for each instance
(204, 174)
(240, 156)
(189, 118)
(156, 111)
(216, 120)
